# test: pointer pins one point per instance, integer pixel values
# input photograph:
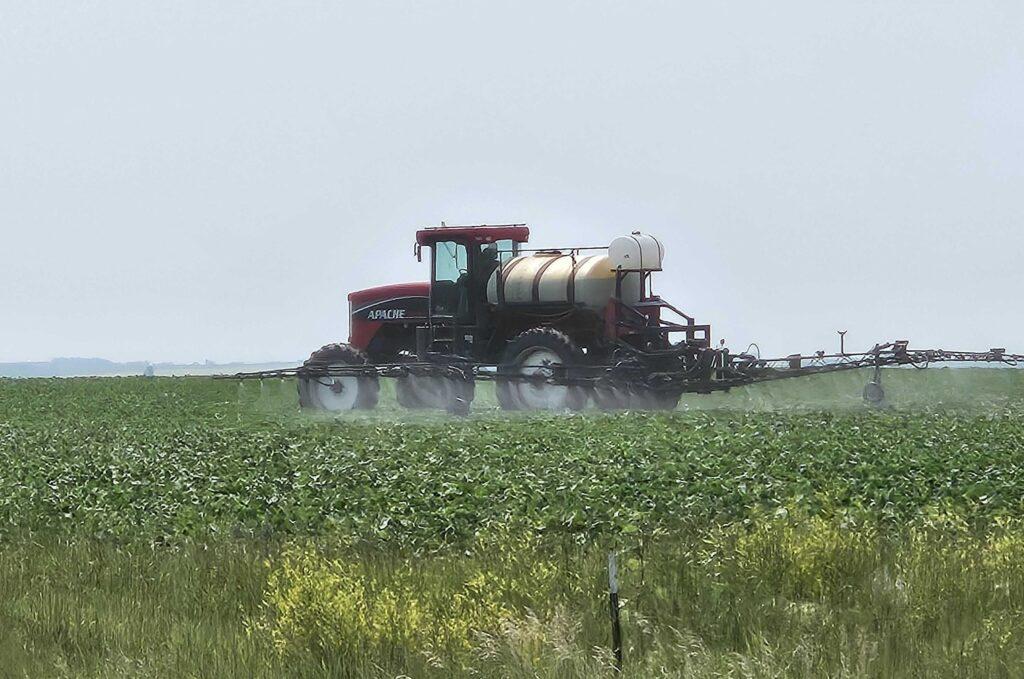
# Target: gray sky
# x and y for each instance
(192, 180)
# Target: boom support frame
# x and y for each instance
(709, 369)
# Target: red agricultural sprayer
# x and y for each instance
(553, 329)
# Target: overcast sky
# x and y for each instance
(191, 180)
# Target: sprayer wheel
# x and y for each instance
(431, 391)
(505, 395)
(460, 396)
(338, 394)
(533, 353)
(411, 391)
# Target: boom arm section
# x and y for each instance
(746, 369)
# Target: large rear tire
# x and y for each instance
(534, 353)
(338, 393)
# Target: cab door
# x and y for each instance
(449, 286)
(452, 304)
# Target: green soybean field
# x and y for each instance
(199, 527)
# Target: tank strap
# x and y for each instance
(503, 273)
(570, 284)
(540, 274)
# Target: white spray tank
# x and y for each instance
(636, 252)
(553, 277)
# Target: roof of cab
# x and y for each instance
(484, 233)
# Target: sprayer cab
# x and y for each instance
(462, 259)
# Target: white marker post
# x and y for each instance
(613, 599)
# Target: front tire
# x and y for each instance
(338, 393)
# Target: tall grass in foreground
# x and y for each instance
(779, 596)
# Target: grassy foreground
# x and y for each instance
(783, 597)
(193, 528)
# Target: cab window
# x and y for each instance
(507, 249)
(451, 263)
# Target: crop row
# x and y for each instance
(169, 458)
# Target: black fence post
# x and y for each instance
(613, 600)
